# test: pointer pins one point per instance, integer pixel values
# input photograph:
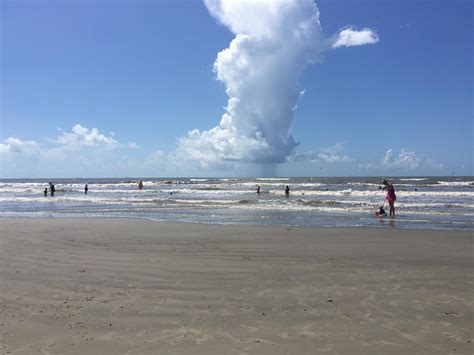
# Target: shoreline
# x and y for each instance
(386, 224)
(122, 285)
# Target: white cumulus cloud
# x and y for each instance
(274, 41)
(73, 152)
(18, 146)
(83, 136)
(403, 162)
(333, 154)
(349, 37)
(404, 159)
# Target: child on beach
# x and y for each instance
(381, 212)
(45, 192)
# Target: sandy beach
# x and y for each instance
(124, 286)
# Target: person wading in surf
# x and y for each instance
(391, 197)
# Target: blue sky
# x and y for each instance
(112, 88)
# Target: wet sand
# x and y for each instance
(123, 286)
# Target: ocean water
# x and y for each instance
(422, 202)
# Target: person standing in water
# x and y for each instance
(391, 197)
(52, 189)
(287, 191)
(140, 185)
(258, 190)
(45, 192)
(86, 189)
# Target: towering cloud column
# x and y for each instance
(274, 41)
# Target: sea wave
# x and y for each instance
(273, 179)
(456, 183)
(413, 179)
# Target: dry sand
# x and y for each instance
(122, 286)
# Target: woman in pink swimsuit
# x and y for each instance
(391, 197)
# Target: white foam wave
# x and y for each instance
(273, 179)
(456, 183)
(378, 194)
(68, 199)
(362, 184)
(413, 179)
